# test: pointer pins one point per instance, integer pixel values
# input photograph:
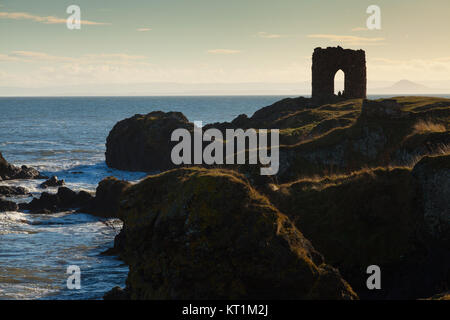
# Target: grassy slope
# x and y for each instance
(338, 138)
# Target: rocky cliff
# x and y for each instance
(207, 234)
(365, 181)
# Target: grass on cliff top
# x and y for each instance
(426, 120)
(303, 122)
(420, 103)
(205, 175)
(308, 124)
(427, 126)
(319, 182)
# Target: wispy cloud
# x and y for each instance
(102, 58)
(43, 19)
(143, 29)
(223, 51)
(27, 56)
(345, 39)
(119, 56)
(267, 35)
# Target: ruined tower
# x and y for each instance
(325, 64)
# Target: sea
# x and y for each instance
(65, 136)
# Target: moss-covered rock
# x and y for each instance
(355, 220)
(377, 217)
(207, 234)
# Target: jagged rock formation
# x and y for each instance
(207, 234)
(64, 199)
(10, 172)
(52, 182)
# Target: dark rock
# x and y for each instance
(64, 199)
(241, 121)
(52, 182)
(107, 197)
(45, 204)
(387, 108)
(69, 199)
(143, 142)
(207, 234)
(84, 199)
(119, 244)
(433, 175)
(10, 172)
(10, 191)
(6, 205)
(116, 293)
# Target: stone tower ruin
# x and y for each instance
(325, 64)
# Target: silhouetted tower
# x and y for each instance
(325, 64)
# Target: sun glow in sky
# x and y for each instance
(215, 41)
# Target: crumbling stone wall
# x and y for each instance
(325, 64)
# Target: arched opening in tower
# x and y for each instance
(339, 83)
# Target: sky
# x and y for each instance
(138, 46)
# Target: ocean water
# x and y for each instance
(66, 137)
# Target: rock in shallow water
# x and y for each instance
(6, 205)
(10, 191)
(64, 199)
(52, 182)
(207, 234)
(10, 172)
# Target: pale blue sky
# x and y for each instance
(215, 41)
